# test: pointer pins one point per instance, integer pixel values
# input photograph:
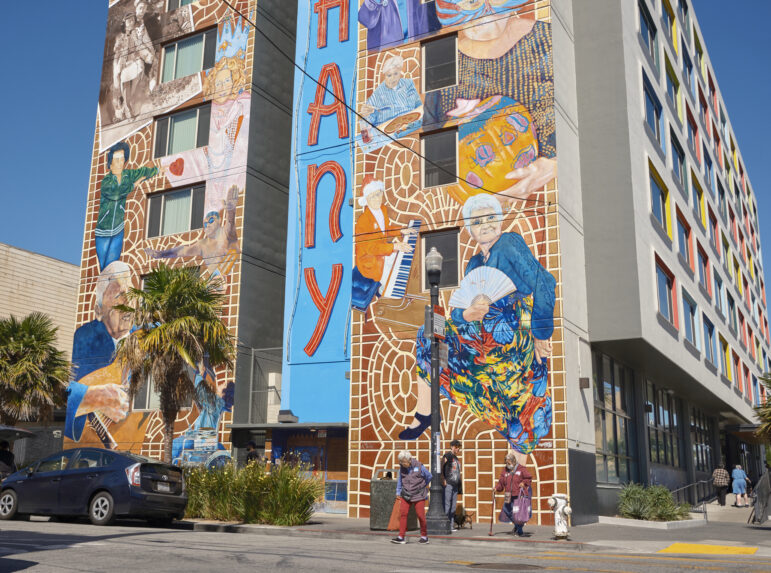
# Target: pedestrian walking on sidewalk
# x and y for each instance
(516, 484)
(452, 481)
(720, 481)
(412, 490)
(740, 480)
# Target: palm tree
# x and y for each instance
(763, 411)
(178, 328)
(33, 372)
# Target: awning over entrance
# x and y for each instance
(746, 433)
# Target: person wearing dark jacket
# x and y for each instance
(412, 489)
(720, 481)
(514, 478)
(252, 455)
(7, 462)
(452, 481)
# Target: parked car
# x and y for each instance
(102, 484)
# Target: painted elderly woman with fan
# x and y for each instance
(499, 334)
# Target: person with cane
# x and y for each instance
(515, 482)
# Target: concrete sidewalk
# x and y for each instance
(592, 538)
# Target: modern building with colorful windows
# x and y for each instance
(601, 285)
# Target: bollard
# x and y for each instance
(559, 504)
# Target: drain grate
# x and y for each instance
(505, 566)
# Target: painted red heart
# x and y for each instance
(177, 167)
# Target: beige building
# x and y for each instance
(33, 282)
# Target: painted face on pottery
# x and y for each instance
(211, 223)
(117, 323)
(223, 84)
(392, 77)
(485, 225)
(117, 163)
(375, 200)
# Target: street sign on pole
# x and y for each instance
(439, 322)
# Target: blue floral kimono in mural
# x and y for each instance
(524, 73)
(491, 368)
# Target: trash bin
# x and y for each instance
(382, 494)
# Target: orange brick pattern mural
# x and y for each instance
(130, 224)
(504, 386)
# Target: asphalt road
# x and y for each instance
(49, 546)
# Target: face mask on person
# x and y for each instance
(454, 12)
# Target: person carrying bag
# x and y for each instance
(515, 482)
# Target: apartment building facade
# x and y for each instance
(678, 319)
(189, 169)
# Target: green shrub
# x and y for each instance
(281, 494)
(652, 503)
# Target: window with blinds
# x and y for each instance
(189, 55)
(181, 131)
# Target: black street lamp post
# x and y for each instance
(436, 520)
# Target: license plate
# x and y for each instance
(164, 487)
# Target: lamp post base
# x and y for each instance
(437, 522)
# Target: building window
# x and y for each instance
(648, 31)
(713, 230)
(719, 292)
(698, 200)
(652, 109)
(174, 4)
(702, 430)
(709, 171)
(439, 63)
(725, 358)
(710, 350)
(663, 426)
(684, 240)
(669, 19)
(659, 201)
(689, 319)
(189, 55)
(182, 131)
(692, 134)
(678, 159)
(613, 428)
(703, 269)
(690, 80)
(146, 398)
(446, 242)
(440, 158)
(176, 211)
(665, 283)
(722, 207)
(673, 86)
(731, 311)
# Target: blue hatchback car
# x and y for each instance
(102, 484)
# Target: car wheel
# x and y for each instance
(101, 510)
(9, 503)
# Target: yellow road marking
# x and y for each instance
(704, 549)
(619, 556)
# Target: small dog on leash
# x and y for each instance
(463, 518)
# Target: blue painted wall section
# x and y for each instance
(319, 235)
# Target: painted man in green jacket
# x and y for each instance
(116, 186)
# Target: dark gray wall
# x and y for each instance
(583, 487)
(260, 318)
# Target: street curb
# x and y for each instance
(668, 525)
(368, 535)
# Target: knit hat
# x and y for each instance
(370, 185)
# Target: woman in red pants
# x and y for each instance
(412, 489)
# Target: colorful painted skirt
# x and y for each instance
(491, 371)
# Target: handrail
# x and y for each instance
(701, 500)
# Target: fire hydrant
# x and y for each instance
(559, 504)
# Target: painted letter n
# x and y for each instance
(324, 304)
(315, 173)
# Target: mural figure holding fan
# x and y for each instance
(499, 335)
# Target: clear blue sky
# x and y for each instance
(51, 87)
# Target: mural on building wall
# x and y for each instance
(502, 337)
(116, 250)
(131, 92)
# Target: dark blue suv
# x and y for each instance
(103, 484)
